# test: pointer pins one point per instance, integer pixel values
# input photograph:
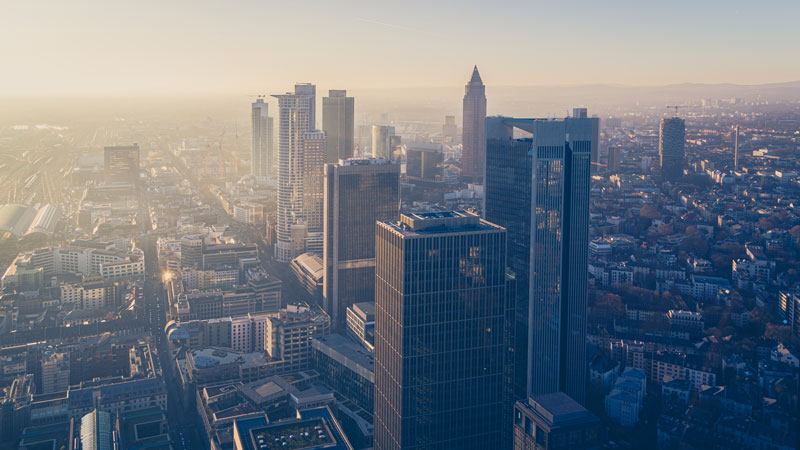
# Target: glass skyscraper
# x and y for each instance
(358, 193)
(440, 290)
(548, 243)
(338, 123)
(671, 143)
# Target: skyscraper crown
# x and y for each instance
(476, 77)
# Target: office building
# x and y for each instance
(314, 161)
(358, 192)
(261, 159)
(192, 247)
(473, 143)
(121, 164)
(671, 143)
(96, 431)
(736, 147)
(548, 233)
(338, 123)
(614, 159)
(583, 113)
(296, 117)
(346, 367)
(361, 323)
(288, 335)
(554, 421)
(381, 141)
(424, 161)
(55, 372)
(439, 332)
(449, 131)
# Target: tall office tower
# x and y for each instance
(439, 332)
(338, 124)
(614, 159)
(295, 118)
(736, 147)
(381, 141)
(583, 113)
(538, 189)
(671, 143)
(473, 143)
(314, 149)
(262, 140)
(121, 164)
(358, 192)
(449, 131)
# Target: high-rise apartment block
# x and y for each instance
(338, 123)
(439, 333)
(358, 192)
(296, 113)
(121, 164)
(473, 143)
(671, 144)
(538, 189)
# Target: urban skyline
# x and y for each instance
(539, 258)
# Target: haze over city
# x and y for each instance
(438, 225)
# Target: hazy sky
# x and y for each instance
(125, 47)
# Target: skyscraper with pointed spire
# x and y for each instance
(472, 139)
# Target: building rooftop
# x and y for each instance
(444, 222)
(559, 410)
(351, 355)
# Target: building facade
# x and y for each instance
(473, 143)
(121, 164)
(261, 158)
(671, 147)
(554, 421)
(296, 117)
(338, 123)
(440, 295)
(358, 192)
(549, 238)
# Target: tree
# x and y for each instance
(649, 212)
(610, 303)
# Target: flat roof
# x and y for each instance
(443, 222)
(559, 409)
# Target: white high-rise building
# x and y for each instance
(262, 159)
(296, 113)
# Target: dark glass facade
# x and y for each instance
(358, 193)
(671, 147)
(439, 332)
(538, 189)
(508, 204)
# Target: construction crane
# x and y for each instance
(676, 108)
